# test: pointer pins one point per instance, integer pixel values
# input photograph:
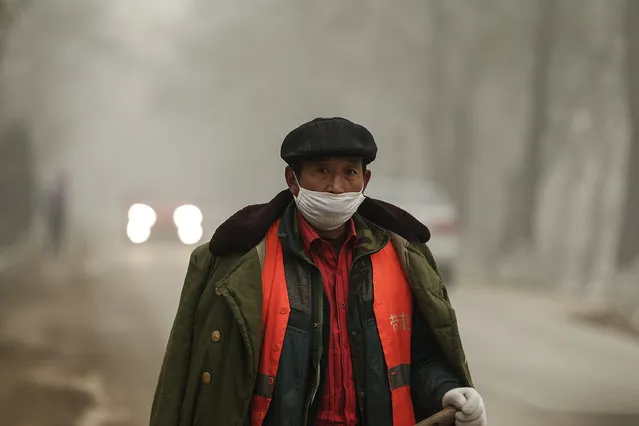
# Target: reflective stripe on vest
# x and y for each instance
(393, 313)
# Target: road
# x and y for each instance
(137, 291)
(534, 363)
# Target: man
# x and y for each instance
(321, 307)
(56, 214)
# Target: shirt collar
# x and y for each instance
(309, 235)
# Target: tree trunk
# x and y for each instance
(629, 241)
(521, 218)
(463, 143)
(4, 19)
(16, 183)
(437, 81)
(4, 29)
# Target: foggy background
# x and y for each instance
(524, 112)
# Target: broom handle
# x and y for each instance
(446, 417)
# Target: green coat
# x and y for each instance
(211, 361)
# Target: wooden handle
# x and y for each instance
(446, 417)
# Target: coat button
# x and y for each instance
(218, 291)
(215, 336)
(206, 378)
(276, 348)
(315, 325)
(260, 415)
(282, 311)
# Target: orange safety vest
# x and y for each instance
(393, 305)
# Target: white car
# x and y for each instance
(432, 206)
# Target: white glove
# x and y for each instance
(470, 405)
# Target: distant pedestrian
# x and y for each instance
(57, 214)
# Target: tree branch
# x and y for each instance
(10, 12)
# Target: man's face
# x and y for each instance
(335, 175)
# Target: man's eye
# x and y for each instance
(351, 172)
(322, 170)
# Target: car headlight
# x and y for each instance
(138, 233)
(190, 234)
(187, 215)
(142, 215)
(188, 220)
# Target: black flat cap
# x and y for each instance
(329, 137)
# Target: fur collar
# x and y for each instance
(246, 228)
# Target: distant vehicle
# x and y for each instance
(173, 222)
(432, 206)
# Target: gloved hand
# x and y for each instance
(470, 405)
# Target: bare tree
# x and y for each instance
(525, 185)
(454, 71)
(629, 242)
(16, 182)
(16, 168)
(463, 150)
(438, 53)
(10, 11)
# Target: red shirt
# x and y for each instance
(338, 405)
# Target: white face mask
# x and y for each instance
(327, 211)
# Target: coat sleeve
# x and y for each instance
(432, 376)
(171, 386)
